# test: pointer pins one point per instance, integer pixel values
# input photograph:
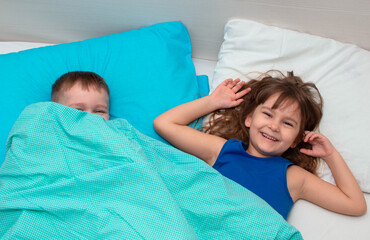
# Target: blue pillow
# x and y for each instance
(148, 71)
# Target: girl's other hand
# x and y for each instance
(321, 146)
(227, 94)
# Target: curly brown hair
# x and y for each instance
(230, 123)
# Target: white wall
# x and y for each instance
(58, 21)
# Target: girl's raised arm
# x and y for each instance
(173, 124)
(346, 197)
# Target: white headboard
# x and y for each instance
(59, 21)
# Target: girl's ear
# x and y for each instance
(298, 141)
(248, 120)
(294, 144)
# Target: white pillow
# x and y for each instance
(340, 71)
(8, 47)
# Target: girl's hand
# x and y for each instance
(227, 94)
(321, 146)
(344, 197)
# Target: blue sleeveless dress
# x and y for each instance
(266, 177)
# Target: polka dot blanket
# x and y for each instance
(72, 175)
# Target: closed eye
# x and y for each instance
(101, 111)
(289, 124)
(267, 114)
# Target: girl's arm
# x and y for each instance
(172, 125)
(346, 197)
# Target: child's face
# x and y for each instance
(91, 100)
(273, 131)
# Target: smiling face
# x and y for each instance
(90, 100)
(273, 130)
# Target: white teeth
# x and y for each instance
(269, 137)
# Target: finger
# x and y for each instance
(227, 81)
(315, 138)
(243, 92)
(306, 151)
(309, 136)
(238, 86)
(233, 83)
(237, 102)
(306, 135)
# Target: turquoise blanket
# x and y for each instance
(71, 175)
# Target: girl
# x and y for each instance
(261, 135)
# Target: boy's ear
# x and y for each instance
(248, 121)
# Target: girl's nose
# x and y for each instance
(274, 126)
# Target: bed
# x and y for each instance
(324, 42)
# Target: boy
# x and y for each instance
(85, 91)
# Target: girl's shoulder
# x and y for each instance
(296, 176)
(233, 146)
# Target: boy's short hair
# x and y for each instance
(86, 79)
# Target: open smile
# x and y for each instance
(271, 138)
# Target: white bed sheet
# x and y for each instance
(313, 222)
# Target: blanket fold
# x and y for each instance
(72, 175)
